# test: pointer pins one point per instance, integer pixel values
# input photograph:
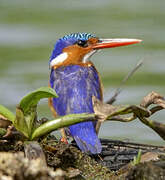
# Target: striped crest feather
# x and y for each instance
(81, 36)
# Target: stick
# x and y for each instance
(118, 90)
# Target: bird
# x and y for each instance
(76, 80)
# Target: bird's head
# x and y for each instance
(77, 48)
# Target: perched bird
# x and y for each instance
(75, 79)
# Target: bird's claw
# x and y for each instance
(64, 140)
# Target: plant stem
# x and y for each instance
(60, 122)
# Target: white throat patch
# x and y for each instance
(59, 59)
(87, 56)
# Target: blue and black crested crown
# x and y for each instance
(81, 36)
(68, 40)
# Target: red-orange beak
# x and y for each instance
(110, 43)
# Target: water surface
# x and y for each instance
(29, 29)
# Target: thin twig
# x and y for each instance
(123, 119)
(118, 90)
(155, 109)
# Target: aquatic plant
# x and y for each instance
(25, 119)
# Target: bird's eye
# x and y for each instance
(82, 43)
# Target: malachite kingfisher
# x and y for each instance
(75, 79)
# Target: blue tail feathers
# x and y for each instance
(86, 137)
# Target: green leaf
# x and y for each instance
(32, 99)
(20, 123)
(137, 159)
(26, 112)
(7, 113)
(2, 132)
(61, 122)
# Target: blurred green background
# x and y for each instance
(29, 29)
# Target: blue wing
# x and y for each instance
(75, 86)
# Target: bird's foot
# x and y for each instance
(64, 140)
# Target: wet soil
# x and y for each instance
(65, 161)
